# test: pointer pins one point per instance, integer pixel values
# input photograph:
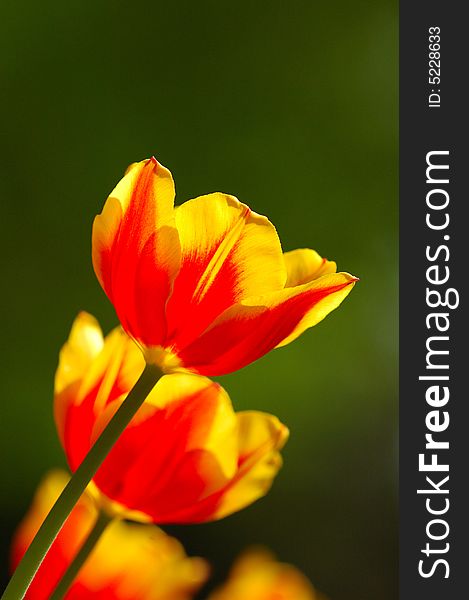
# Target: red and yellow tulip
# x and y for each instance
(205, 286)
(186, 456)
(256, 575)
(129, 562)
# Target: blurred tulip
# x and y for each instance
(204, 286)
(256, 575)
(129, 562)
(186, 456)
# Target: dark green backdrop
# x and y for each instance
(292, 107)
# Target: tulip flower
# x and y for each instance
(185, 457)
(129, 562)
(256, 575)
(205, 286)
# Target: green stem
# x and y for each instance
(80, 559)
(28, 567)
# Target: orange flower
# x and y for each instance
(205, 286)
(129, 561)
(258, 576)
(185, 457)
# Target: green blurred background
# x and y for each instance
(292, 107)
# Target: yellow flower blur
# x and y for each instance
(256, 575)
(129, 562)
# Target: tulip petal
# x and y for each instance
(304, 265)
(85, 342)
(253, 327)
(228, 253)
(261, 437)
(181, 449)
(104, 371)
(136, 251)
